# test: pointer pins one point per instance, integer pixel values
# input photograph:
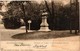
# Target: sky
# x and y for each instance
(39, 1)
(64, 2)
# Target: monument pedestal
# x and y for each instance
(44, 29)
(44, 25)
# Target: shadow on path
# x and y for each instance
(42, 35)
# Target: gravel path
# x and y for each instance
(62, 40)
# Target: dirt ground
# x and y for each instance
(62, 40)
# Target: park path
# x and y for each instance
(71, 43)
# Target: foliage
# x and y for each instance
(60, 15)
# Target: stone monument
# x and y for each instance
(44, 25)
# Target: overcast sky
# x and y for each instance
(39, 1)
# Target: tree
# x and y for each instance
(75, 14)
(29, 11)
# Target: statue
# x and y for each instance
(44, 25)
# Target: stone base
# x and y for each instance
(44, 29)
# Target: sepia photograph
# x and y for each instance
(39, 25)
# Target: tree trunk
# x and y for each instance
(47, 7)
(70, 17)
(24, 18)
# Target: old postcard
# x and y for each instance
(39, 25)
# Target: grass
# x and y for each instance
(42, 35)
